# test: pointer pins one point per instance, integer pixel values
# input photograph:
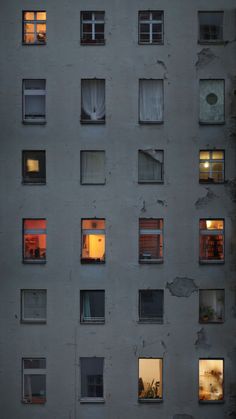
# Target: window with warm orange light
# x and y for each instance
(211, 380)
(93, 241)
(34, 240)
(34, 27)
(150, 379)
(211, 166)
(33, 167)
(211, 240)
(150, 240)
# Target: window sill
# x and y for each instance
(34, 122)
(34, 402)
(33, 43)
(211, 262)
(141, 182)
(151, 122)
(211, 122)
(211, 322)
(93, 322)
(92, 400)
(33, 321)
(150, 321)
(33, 183)
(156, 261)
(211, 401)
(150, 400)
(210, 182)
(92, 262)
(208, 42)
(151, 43)
(92, 43)
(91, 184)
(33, 262)
(89, 122)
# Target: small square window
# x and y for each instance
(210, 27)
(212, 102)
(34, 380)
(151, 98)
(33, 167)
(93, 241)
(93, 101)
(92, 164)
(33, 306)
(92, 306)
(151, 27)
(34, 28)
(92, 28)
(211, 306)
(150, 386)
(212, 241)
(211, 380)
(211, 166)
(91, 378)
(151, 306)
(34, 240)
(34, 101)
(150, 240)
(150, 166)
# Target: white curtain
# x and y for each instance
(93, 167)
(93, 99)
(150, 165)
(151, 100)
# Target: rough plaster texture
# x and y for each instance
(182, 287)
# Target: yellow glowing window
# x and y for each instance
(32, 165)
(34, 27)
(34, 240)
(211, 380)
(212, 240)
(211, 166)
(93, 241)
(150, 386)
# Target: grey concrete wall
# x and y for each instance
(181, 62)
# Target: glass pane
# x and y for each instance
(34, 106)
(204, 155)
(144, 15)
(212, 224)
(93, 224)
(150, 379)
(34, 304)
(93, 305)
(99, 28)
(91, 377)
(157, 15)
(35, 239)
(35, 388)
(150, 223)
(99, 15)
(87, 27)
(212, 247)
(41, 15)
(28, 15)
(144, 28)
(212, 101)
(87, 15)
(34, 363)
(151, 304)
(211, 306)
(211, 379)
(218, 155)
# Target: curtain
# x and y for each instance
(93, 99)
(151, 100)
(93, 163)
(150, 165)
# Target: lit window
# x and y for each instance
(150, 379)
(211, 166)
(151, 27)
(34, 27)
(150, 166)
(34, 380)
(92, 306)
(150, 240)
(34, 92)
(212, 107)
(92, 167)
(93, 241)
(211, 241)
(211, 380)
(91, 378)
(211, 306)
(210, 26)
(92, 28)
(33, 167)
(151, 305)
(93, 100)
(33, 306)
(151, 101)
(34, 240)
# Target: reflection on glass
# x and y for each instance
(150, 378)
(211, 379)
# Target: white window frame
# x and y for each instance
(92, 22)
(32, 371)
(34, 22)
(33, 92)
(151, 22)
(32, 319)
(211, 161)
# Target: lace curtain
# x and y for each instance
(151, 100)
(93, 99)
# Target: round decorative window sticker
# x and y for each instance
(211, 99)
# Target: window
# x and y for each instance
(151, 305)
(92, 306)
(150, 240)
(150, 27)
(150, 166)
(93, 241)
(34, 240)
(33, 167)
(92, 28)
(33, 306)
(212, 107)
(151, 101)
(150, 379)
(210, 27)
(93, 100)
(211, 380)
(211, 241)
(91, 378)
(211, 166)
(92, 164)
(34, 101)
(34, 27)
(211, 306)
(34, 380)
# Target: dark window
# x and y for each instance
(211, 241)
(93, 240)
(33, 306)
(92, 306)
(151, 305)
(91, 377)
(151, 27)
(34, 240)
(211, 306)
(92, 28)
(150, 166)
(33, 166)
(34, 380)
(92, 164)
(210, 26)
(150, 240)
(34, 27)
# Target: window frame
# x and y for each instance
(83, 118)
(152, 400)
(32, 319)
(213, 232)
(150, 22)
(34, 371)
(157, 320)
(41, 120)
(42, 160)
(91, 320)
(211, 161)
(93, 261)
(158, 232)
(203, 41)
(92, 22)
(34, 22)
(92, 399)
(33, 260)
(146, 121)
(149, 181)
(223, 384)
(201, 321)
(207, 121)
(82, 152)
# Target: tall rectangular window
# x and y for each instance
(93, 240)
(33, 306)
(93, 100)
(92, 28)
(211, 306)
(151, 98)
(151, 306)
(91, 378)
(34, 101)
(92, 306)
(212, 101)
(34, 240)
(150, 240)
(92, 164)
(210, 26)
(211, 166)
(150, 166)
(34, 27)
(34, 380)
(151, 27)
(34, 166)
(211, 241)
(211, 380)
(150, 387)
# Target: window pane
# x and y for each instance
(34, 363)
(150, 240)
(92, 306)
(150, 378)
(150, 164)
(34, 170)
(211, 26)
(28, 15)
(35, 388)
(91, 377)
(151, 100)
(34, 305)
(41, 16)
(211, 306)
(217, 155)
(212, 101)
(204, 155)
(151, 305)
(93, 241)
(99, 15)
(93, 100)
(35, 240)
(211, 375)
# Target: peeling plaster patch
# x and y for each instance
(201, 342)
(205, 56)
(231, 189)
(202, 202)
(182, 287)
(162, 64)
(163, 203)
(183, 416)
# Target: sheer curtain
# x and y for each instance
(93, 99)
(151, 100)
(150, 165)
(93, 167)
